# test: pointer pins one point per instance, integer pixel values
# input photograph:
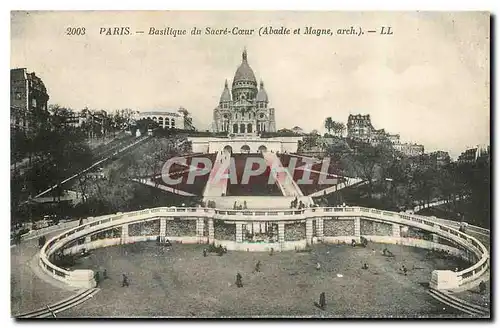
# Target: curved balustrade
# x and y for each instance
(79, 278)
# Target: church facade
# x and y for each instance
(244, 110)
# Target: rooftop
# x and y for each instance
(160, 113)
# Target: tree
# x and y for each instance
(368, 162)
(188, 120)
(339, 128)
(329, 124)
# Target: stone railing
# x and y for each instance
(84, 278)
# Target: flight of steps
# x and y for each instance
(459, 304)
(216, 186)
(283, 177)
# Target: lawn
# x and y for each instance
(179, 281)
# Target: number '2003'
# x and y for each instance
(75, 31)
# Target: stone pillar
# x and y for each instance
(396, 230)
(124, 234)
(357, 227)
(319, 228)
(163, 227)
(239, 232)
(309, 231)
(211, 234)
(200, 227)
(435, 238)
(87, 239)
(281, 232)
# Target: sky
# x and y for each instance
(429, 81)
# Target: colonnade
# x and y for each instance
(205, 232)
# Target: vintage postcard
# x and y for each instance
(250, 164)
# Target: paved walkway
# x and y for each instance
(179, 281)
(150, 183)
(96, 164)
(435, 203)
(28, 291)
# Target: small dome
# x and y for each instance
(226, 95)
(244, 72)
(262, 94)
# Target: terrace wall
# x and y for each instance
(291, 227)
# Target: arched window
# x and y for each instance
(242, 128)
(249, 128)
(235, 128)
(160, 122)
(167, 122)
(172, 123)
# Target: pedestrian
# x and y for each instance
(482, 287)
(105, 274)
(204, 252)
(124, 280)
(257, 267)
(272, 251)
(322, 300)
(17, 239)
(239, 283)
(97, 278)
(318, 266)
(41, 242)
(365, 266)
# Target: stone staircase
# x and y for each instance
(459, 304)
(216, 185)
(288, 187)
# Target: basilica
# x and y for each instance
(244, 110)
